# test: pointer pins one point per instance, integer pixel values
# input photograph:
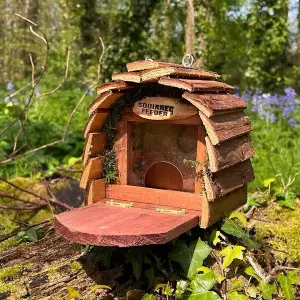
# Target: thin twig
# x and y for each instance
(22, 207)
(257, 268)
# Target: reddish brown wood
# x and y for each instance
(227, 180)
(229, 152)
(96, 191)
(94, 145)
(158, 197)
(200, 158)
(104, 100)
(226, 127)
(128, 76)
(215, 104)
(213, 211)
(106, 225)
(192, 85)
(116, 85)
(121, 149)
(92, 170)
(132, 117)
(163, 175)
(95, 123)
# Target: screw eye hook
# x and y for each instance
(149, 59)
(188, 60)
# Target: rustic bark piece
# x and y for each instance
(160, 198)
(213, 211)
(229, 179)
(229, 152)
(192, 85)
(128, 76)
(148, 64)
(95, 123)
(163, 108)
(107, 225)
(105, 100)
(226, 127)
(116, 85)
(95, 144)
(96, 191)
(200, 158)
(179, 72)
(92, 170)
(215, 104)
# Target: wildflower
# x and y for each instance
(10, 87)
(89, 91)
(292, 122)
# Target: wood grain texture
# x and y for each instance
(95, 144)
(105, 225)
(116, 85)
(96, 191)
(158, 197)
(95, 123)
(163, 108)
(140, 65)
(225, 127)
(215, 104)
(229, 152)
(200, 157)
(92, 170)
(132, 117)
(104, 100)
(192, 85)
(213, 211)
(128, 76)
(180, 72)
(223, 182)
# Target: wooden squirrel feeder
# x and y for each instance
(179, 144)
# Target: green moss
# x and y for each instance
(10, 271)
(12, 242)
(75, 266)
(282, 232)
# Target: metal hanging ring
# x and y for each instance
(191, 59)
(149, 59)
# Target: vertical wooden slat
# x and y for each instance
(96, 191)
(200, 157)
(94, 145)
(93, 170)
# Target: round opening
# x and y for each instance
(164, 175)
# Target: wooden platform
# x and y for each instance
(106, 225)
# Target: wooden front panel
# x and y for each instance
(160, 198)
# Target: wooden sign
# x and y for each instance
(163, 108)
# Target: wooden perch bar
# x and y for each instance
(215, 104)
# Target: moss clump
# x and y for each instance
(76, 266)
(282, 232)
(12, 242)
(8, 272)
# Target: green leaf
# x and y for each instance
(201, 296)
(236, 286)
(233, 228)
(286, 286)
(203, 282)
(239, 216)
(149, 297)
(100, 286)
(167, 290)
(150, 275)
(135, 256)
(252, 291)
(237, 296)
(72, 293)
(250, 271)
(181, 286)
(293, 277)
(190, 258)
(214, 237)
(31, 234)
(230, 254)
(268, 181)
(267, 290)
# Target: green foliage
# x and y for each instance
(286, 286)
(191, 256)
(230, 253)
(267, 290)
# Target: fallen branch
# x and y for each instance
(22, 207)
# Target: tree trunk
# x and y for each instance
(189, 27)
